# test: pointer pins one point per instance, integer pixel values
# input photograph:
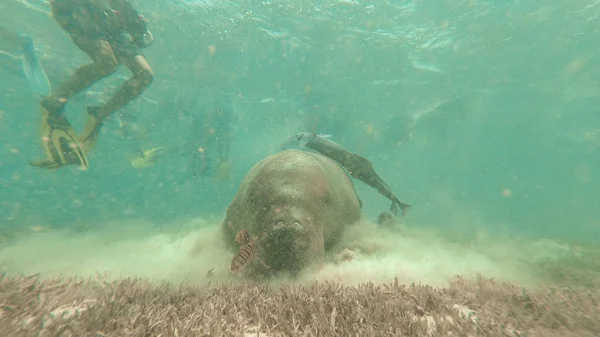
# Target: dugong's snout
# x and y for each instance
(290, 242)
(290, 232)
(293, 219)
(287, 224)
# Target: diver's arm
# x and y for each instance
(135, 24)
(130, 14)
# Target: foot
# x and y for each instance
(91, 131)
(54, 105)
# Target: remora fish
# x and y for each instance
(358, 166)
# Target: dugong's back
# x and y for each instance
(297, 188)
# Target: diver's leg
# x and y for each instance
(223, 144)
(59, 140)
(198, 165)
(132, 88)
(104, 64)
(224, 147)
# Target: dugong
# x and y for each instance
(295, 205)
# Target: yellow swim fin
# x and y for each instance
(148, 158)
(60, 142)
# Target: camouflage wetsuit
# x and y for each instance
(90, 21)
(111, 33)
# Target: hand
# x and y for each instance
(148, 39)
(144, 40)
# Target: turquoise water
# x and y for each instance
(504, 94)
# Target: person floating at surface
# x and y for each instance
(27, 64)
(111, 33)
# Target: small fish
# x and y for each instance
(242, 237)
(246, 253)
(243, 256)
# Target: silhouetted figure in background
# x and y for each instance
(210, 141)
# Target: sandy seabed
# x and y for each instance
(129, 280)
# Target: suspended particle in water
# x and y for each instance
(77, 203)
(37, 229)
(506, 192)
(576, 65)
(308, 89)
(212, 49)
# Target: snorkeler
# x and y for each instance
(207, 146)
(210, 141)
(26, 64)
(111, 33)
